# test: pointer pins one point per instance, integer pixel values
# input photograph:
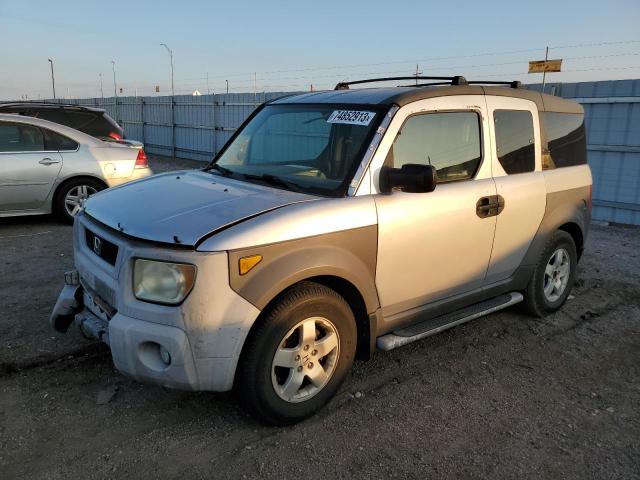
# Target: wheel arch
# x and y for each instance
(573, 229)
(68, 180)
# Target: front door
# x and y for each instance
(434, 246)
(27, 171)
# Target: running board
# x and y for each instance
(432, 326)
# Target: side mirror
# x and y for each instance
(411, 177)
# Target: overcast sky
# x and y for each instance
(291, 45)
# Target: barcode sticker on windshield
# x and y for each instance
(351, 117)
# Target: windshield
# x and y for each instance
(308, 148)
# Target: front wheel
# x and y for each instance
(298, 355)
(553, 277)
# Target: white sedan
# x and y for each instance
(50, 168)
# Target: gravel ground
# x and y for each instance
(505, 396)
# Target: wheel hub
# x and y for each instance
(305, 359)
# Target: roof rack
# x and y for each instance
(47, 104)
(455, 80)
(512, 84)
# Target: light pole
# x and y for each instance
(171, 59)
(173, 103)
(115, 92)
(53, 80)
(227, 85)
(113, 66)
(101, 90)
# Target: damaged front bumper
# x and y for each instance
(143, 350)
(69, 308)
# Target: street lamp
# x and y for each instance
(171, 59)
(113, 65)
(53, 81)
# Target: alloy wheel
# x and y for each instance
(556, 274)
(75, 198)
(305, 360)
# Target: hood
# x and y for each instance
(183, 207)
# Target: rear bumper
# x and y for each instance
(137, 174)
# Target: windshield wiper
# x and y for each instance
(223, 170)
(275, 181)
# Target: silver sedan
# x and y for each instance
(50, 168)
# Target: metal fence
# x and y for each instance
(196, 127)
(193, 127)
(612, 116)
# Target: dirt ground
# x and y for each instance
(505, 396)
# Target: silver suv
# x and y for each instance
(333, 224)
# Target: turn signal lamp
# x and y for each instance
(247, 263)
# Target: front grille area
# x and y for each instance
(101, 247)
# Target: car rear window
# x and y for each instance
(56, 141)
(566, 138)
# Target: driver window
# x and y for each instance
(450, 141)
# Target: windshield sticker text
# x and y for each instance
(351, 117)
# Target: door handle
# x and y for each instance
(48, 161)
(489, 206)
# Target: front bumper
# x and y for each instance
(145, 351)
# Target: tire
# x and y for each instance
(554, 276)
(269, 391)
(78, 188)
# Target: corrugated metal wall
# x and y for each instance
(201, 125)
(612, 116)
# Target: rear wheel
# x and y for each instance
(553, 277)
(298, 355)
(73, 194)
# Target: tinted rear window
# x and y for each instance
(56, 141)
(566, 139)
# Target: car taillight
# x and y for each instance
(141, 159)
(115, 135)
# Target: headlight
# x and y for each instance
(162, 282)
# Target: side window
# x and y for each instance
(566, 139)
(450, 141)
(515, 142)
(56, 141)
(15, 137)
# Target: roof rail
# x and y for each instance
(37, 103)
(455, 80)
(512, 84)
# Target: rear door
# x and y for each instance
(28, 170)
(517, 171)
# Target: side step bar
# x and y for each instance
(432, 326)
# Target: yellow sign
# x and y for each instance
(540, 66)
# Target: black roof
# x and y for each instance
(403, 95)
(40, 105)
